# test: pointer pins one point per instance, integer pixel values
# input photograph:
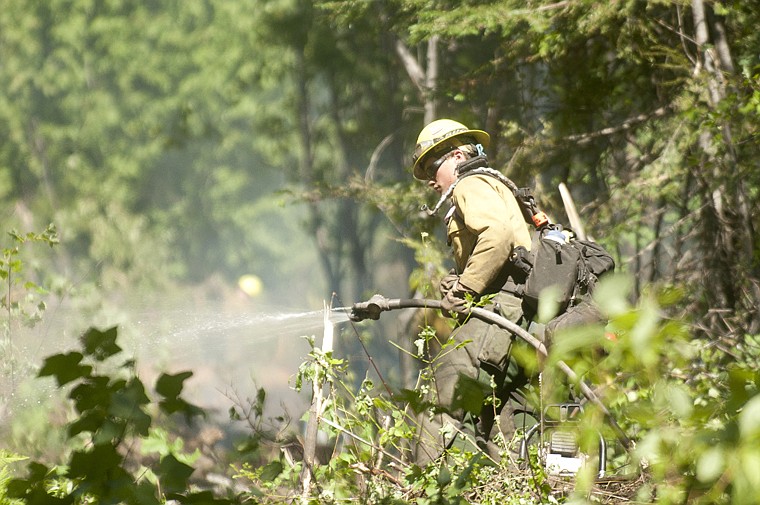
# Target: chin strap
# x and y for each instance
(474, 166)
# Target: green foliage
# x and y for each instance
(429, 258)
(6, 460)
(696, 429)
(366, 457)
(132, 127)
(20, 294)
(692, 417)
(113, 414)
(22, 302)
(154, 133)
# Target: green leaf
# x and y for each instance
(144, 493)
(100, 344)
(679, 401)
(444, 476)
(469, 395)
(65, 367)
(548, 306)
(749, 418)
(250, 444)
(271, 471)
(95, 464)
(414, 398)
(611, 294)
(32, 490)
(711, 464)
(127, 403)
(261, 396)
(111, 431)
(463, 478)
(174, 405)
(750, 467)
(158, 442)
(94, 392)
(205, 498)
(170, 386)
(646, 327)
(173, 473)
(90, 421)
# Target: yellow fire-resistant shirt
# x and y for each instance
(483, 228)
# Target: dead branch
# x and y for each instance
(585, 138)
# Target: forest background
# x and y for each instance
(178, 146)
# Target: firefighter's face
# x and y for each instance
(442, 171)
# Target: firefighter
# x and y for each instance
(484, 225)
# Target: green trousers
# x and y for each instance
(482, 353)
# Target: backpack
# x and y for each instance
(558, 259)
(569, 266)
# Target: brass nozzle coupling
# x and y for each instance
(370, 309)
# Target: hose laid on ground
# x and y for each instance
(372, 308)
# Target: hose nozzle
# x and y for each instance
(370, 309)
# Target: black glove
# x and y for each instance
(448, 282)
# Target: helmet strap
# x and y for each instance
(476, 164)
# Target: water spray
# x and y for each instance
(372, 308)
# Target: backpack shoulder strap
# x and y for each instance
(524, 196)
(479, 166)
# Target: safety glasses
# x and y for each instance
(432, 168)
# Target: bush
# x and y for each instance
(115, 415)
(691, 405)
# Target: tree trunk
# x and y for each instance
(426, 81)
(727, 229)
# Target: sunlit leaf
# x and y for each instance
(679, 400)
(750, 468)
(710, 464)
(548, 306)
(749, 418)
(611, 294)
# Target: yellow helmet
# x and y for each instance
(437, 132)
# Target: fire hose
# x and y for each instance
(372, 308)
